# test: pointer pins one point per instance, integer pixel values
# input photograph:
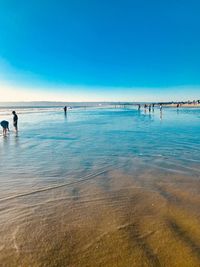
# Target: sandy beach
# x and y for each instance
(133, 222)
(130, 197)
(99, 133)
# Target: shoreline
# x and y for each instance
(182, 105)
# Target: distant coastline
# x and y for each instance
(185, 105)
(38, 104)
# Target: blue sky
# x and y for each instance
(99, 50)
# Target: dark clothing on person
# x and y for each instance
(15, 120)
(5, 124)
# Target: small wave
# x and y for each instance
(86, 178)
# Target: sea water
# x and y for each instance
(89, 151)
(51, 148)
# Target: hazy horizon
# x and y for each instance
(75, 103)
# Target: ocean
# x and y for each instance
(100, 187)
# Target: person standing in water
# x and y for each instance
(5, 126)
(145, 108)
(149, 108)
(15, 121)
(65, 110)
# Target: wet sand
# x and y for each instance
(113, 217)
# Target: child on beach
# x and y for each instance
(5, 126)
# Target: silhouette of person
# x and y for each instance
(5, 126)
(65, 110)
(149, 108)
(15, 121)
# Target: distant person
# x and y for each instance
(149, 108)
(5, 126)
(139, 106)
(160, 107)
(15, 121)
(65, 109)
(145, 108)
(153, 105)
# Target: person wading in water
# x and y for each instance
(5, 126)
(15, 121)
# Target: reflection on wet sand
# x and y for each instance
(116, 218)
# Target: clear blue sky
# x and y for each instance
(114, 47)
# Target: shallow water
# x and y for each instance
(101, 187)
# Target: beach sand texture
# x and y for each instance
(117, 220)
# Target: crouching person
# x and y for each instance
(5, 126)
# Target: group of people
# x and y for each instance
(149, 107)
(5, 124)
